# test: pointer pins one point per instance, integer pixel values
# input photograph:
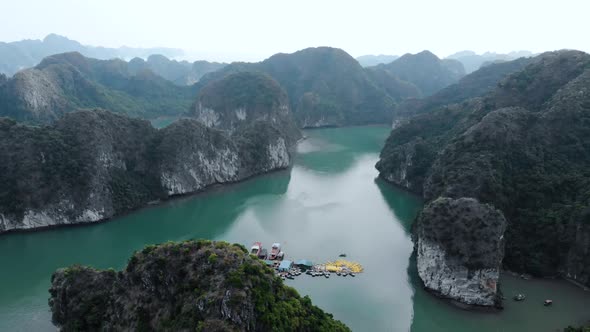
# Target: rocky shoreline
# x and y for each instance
(153, 204)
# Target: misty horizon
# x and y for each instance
(235, 31)
(192, 55)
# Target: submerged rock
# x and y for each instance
(204, 285)
(460, 246)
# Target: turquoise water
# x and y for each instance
(329, 203)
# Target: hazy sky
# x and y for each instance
(256, 29)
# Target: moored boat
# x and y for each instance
(275, 250)
(256, 248)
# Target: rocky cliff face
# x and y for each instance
(460, 246)
(189, 165)
(183, 286)
(93, 165)
(238, 100)
(523, 149)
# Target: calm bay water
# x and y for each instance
(329, 203)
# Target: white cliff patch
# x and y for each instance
(199, 170)
(399, 175)
(38, 91)
(451, 279)
(41, 218)
(90, 215)
(172, 183)
(208, 116)
(241, 114)
(278, 156)
(4, 223)
(284, 109)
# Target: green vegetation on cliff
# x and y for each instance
(426, 71)
(242, 99)
(326, 87)
(66, 82)
(92, 165)
(524, 148)
(192, 285)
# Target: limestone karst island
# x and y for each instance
(295, 166)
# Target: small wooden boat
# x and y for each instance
(519, 297)
(342, 255)
(548, 303)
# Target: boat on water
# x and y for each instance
(256, 248)
(275, 251)
(519, 297)
(547, 303)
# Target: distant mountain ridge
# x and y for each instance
(66, 82)
(473, 61)
(15, 56)
(472, 85)
(326, 87)
(373, 60)
(426, 71)
(178, 72)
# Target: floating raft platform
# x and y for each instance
(341, 265)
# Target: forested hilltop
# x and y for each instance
(325, 86)
(66, 82)
(192, 285)
(522, 149)
(92, 165)
(426, 71)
